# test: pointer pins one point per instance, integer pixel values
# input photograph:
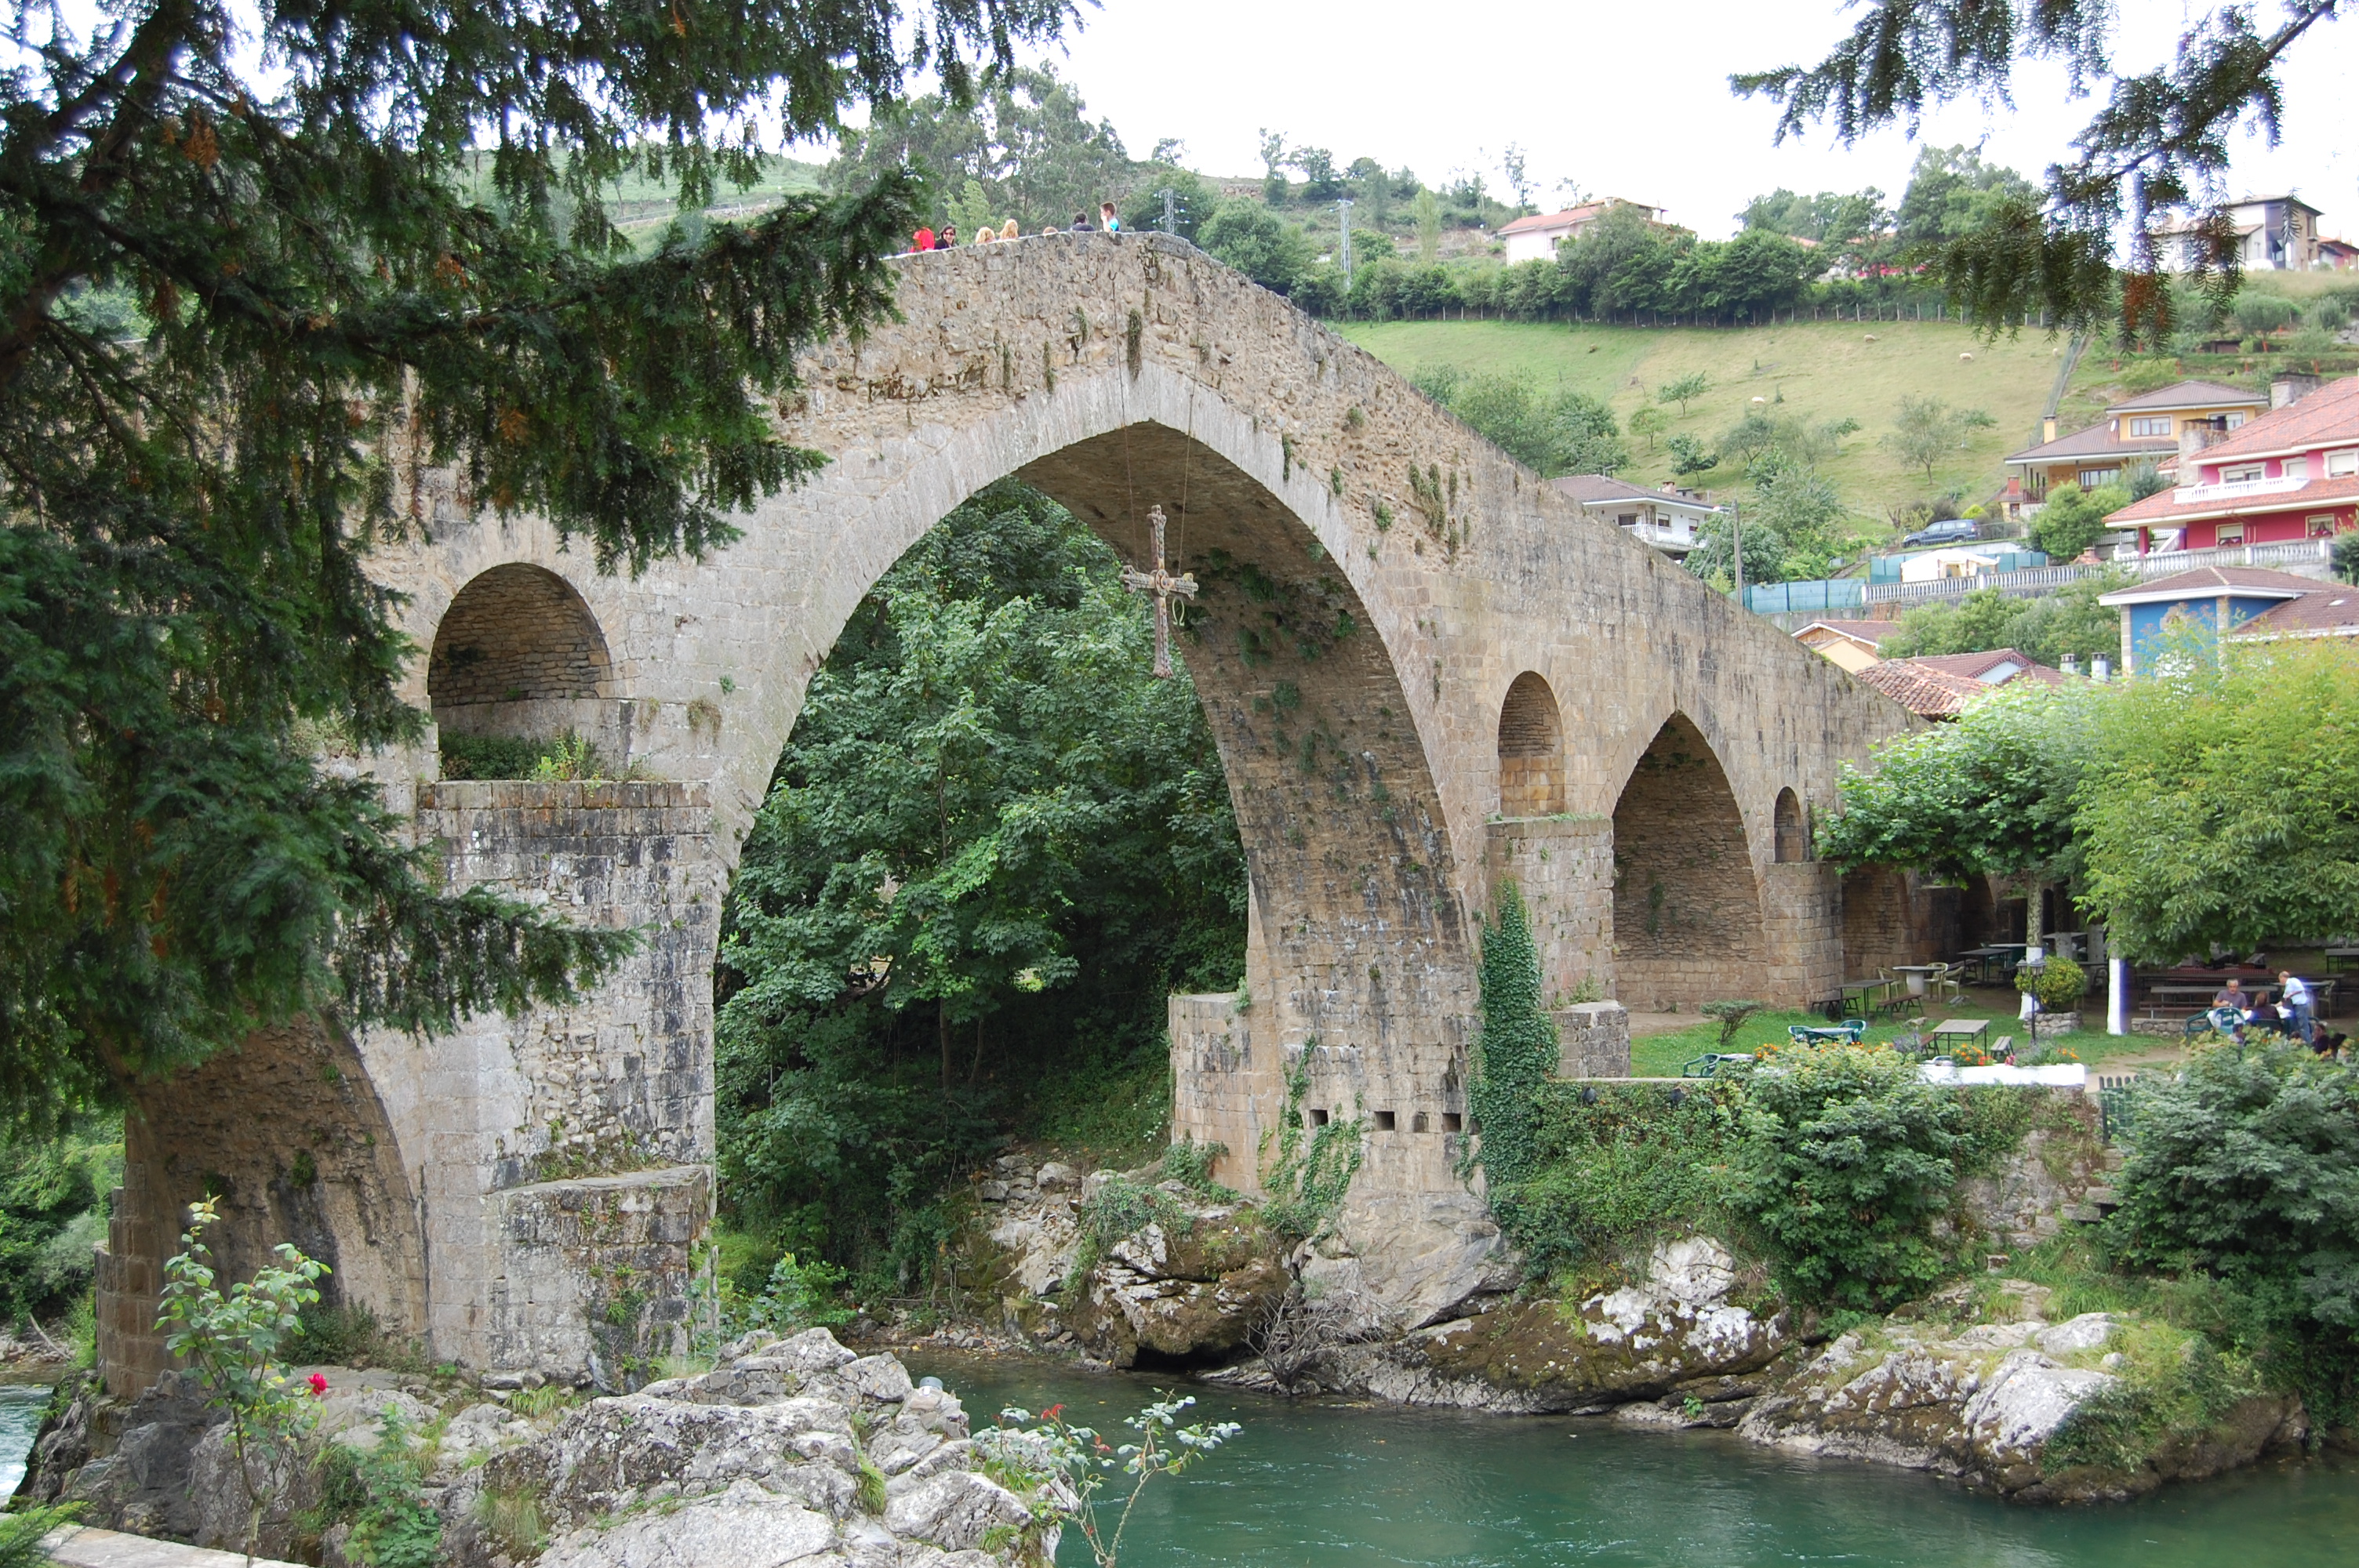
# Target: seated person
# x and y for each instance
(2232, 995)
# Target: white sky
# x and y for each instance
(1629, 100)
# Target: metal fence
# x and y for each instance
(1852, 593)
(2117, 1106)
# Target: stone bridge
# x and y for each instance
(1427, 673)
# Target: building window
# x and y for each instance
(2229, 533)
(2235, 420)
(2151, 425)
(2241, 474)
(2341, 464)
(2295, 467)
(2320, 524)
(1386, 1121)
(2093, 478)
(1627, 519)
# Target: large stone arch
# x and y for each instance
(1687, 902)
(1377, 577)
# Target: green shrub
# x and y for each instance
(2060, 983)
(1190, 1163)
(22, 1530)
(1618, 1167)
(490, 756)
(2245, 1168)
(1846, 1160)
(377, 1490)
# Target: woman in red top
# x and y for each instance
(923, 240)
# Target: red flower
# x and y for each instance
(318, 1383)
(1051, 1412)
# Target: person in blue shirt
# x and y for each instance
(2297, 995)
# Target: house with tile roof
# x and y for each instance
(2328, 610)
(2148, 429)
(1941, 686)
(1847, 644)
(2216, 600)
(2289, 474)
(1536, 238)
(1666, 518)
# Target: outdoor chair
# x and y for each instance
(1848, 1031)
(1946, 987)
(1712, 1064)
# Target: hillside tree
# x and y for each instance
(1925, 430)
(258, 266)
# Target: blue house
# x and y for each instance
(2210, 599)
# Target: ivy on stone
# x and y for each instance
(1515, 1049)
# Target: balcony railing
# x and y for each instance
(2191, 494)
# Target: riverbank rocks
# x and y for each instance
(1684, 1323)
(792, 1450)
(1987, 1406)
(1187, 1287)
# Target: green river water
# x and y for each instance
(1314, 1485)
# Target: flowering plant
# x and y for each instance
(1059, 1468)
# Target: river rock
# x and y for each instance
(1403, 1261)
(1189, 1290)
(693, 1472)
(1676, 1327)
(1982, 1406)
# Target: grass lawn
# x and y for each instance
(1662, 1056)
(1820, 370)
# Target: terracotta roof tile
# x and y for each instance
(1975, 665)
(2097, 441)
(2164, 508)
(2325, 610)
(2326, 417)
(2202, 581)
(1929, 694)
(2191, 395)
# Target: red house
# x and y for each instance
(2289, 474)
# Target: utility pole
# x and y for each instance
(1736, 548)
(1343, 212)
(1170, 223)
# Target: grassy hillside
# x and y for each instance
(1822, 370)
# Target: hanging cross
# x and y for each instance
(1162, 585)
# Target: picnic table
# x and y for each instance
(2004, 953)
(1976, 1030)
(2198, 998)
(1880, 990)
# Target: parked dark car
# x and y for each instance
(1955, 531)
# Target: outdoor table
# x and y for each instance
(2198, 998)
(1918, 974)
(1975, 1029)
(1862, 989)
(1979, 957)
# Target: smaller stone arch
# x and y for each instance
(520, 654)
(1531, 750)
(1789, 833)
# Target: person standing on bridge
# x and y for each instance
(1107, 219)
(923, 240)
(1010, 230)
(1082, 223)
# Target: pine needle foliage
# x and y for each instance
(2155, 156)
(1516, 1050)
(262, 267)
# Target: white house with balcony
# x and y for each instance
(1668, 518)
